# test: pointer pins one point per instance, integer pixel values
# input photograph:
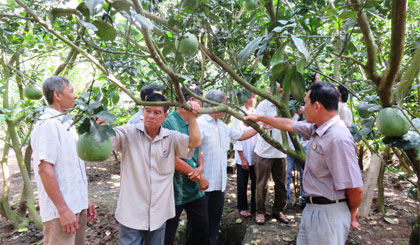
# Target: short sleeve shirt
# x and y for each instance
(246, 146)
(331, 161)
(264, 149)
(146, 198)
(215, 142)
(55, 142)
(185, 190)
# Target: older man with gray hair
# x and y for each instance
(59, 173)
(215, 142)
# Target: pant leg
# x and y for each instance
(156, 237)
(262, 171)
(324, 224)
(253, 186)
(278, 171)
(241, 187)
(130, 236)
(198, 222)
(290, 166)
(80, 238)
(172, 226)
(53, 234)
(215, 202)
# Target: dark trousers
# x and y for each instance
(277, 168)
(242, 186)
(215, 202)
(197, 231)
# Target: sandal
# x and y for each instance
(260, 219)
(281, 217)
(245, 213)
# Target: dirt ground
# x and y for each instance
(393, 227)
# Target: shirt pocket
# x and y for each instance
(165, 160)
(317, 159)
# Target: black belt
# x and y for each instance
(322, 200)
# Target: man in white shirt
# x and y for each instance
(215, 142)
(269, 160)
(59, 173)
(244, 157)
(343, 110)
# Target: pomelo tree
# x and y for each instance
(371, 47)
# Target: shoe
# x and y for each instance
(281, 218)
(260, 219)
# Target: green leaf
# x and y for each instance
(288, 79)
(371, 3)
(107, 117)
(391, 221)
(277, 57)
(89, 25)
(105, 31)
(249, 50)
(297, 86)
(83, 9)
(300, 45)
(348, 14)
(300, 65)
(84, 127)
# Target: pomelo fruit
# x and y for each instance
(251, 4)
(32, 93)
(91, 150)
(187, 44)
(392, 123)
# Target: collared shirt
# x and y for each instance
(215, 142)
(138, 117)
(146, 198)
(345, 114)
(55, 142)
(185, 190)
(331, 162)
(246, 146)
(264, 149)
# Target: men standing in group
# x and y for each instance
(144, 92)
(216, 136)
(332, 178)
(59, 173)
(148, 151)
(269, 160)
(188, 182)
(244, 157)
(343, 109)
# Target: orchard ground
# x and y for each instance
(393, 227)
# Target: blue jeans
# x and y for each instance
(130, 236)
(290, 166)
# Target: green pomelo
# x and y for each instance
(187, 44)
(190, 4)
(251, 4)
(32, 93)
(392, 123)
(91, 150)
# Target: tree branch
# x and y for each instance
(110, 77)
(369, 41)
(399, 16)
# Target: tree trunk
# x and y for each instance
(380, 204)
(360, 156)
(370, 184)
